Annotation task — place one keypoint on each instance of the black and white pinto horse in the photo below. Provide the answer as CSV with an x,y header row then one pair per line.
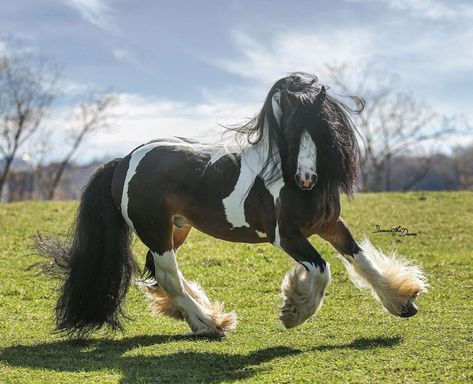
x,y
282,187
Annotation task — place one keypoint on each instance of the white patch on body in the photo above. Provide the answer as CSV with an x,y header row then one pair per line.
x,y
275,190
225,150
307,157
251,165
252,161
135,160
215,153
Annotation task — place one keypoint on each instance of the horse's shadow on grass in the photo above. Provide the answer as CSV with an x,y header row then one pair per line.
x,y
181,367
363,344
177,367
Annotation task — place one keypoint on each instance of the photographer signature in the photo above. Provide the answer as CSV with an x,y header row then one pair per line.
x,y
395,231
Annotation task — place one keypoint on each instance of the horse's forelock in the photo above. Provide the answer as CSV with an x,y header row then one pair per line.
x,y
340,149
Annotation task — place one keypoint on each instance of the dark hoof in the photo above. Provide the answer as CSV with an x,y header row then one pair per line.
x,y
408,310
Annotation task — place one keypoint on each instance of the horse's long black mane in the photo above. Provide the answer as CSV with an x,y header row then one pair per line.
x,y
330,125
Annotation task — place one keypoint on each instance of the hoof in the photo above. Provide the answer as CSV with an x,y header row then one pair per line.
x,y
408,310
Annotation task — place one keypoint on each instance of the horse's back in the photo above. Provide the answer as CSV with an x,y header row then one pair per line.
x,y
174,175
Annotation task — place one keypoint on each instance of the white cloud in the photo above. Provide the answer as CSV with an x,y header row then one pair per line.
x,y
96,12
433,9
122,54
19,45
297,51
141,119
430,9
70,88
443,51
425,64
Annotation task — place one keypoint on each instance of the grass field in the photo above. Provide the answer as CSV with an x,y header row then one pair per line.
x,y
350,340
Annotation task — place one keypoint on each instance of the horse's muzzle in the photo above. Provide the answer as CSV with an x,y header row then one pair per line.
x,y
306,179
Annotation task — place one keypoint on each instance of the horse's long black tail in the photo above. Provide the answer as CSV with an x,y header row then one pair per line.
x,y
97,262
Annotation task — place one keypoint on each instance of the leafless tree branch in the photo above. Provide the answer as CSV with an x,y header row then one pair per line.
x,y
92,115
393,122
26,94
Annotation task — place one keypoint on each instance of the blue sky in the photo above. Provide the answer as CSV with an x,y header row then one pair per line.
x,y
181,67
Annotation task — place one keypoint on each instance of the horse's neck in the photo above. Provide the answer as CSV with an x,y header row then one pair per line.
x,y
256,156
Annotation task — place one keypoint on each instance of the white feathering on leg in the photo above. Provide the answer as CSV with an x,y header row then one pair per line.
x,y
393,281
303,291
222,321
162,304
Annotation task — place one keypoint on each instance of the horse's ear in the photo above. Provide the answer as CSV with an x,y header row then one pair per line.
x,y
321,96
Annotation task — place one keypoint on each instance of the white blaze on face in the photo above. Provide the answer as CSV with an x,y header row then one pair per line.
x,y
306,162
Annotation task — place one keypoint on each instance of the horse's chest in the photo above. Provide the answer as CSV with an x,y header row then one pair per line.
x,y
309,211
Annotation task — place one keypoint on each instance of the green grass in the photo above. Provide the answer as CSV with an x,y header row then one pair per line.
x,y
350,340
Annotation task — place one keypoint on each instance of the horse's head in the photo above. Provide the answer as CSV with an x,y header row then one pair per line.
x,y
313,132
297,115
306,133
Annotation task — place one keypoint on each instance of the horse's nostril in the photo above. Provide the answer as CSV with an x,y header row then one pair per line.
x,y
306,180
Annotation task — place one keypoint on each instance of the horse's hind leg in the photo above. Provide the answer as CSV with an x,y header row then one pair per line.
x,y
179,235
161,302
175,297
393,281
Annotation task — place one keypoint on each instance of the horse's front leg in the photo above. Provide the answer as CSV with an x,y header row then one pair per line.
x,y
393,281
304,286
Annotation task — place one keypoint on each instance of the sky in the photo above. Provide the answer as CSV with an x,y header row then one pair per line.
x,y
183,67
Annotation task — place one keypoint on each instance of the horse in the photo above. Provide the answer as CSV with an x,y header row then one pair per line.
x,y
282,187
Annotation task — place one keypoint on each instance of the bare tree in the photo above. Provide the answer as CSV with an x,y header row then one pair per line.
x,y
89,117
28,86
424,164
392,123
462,162
26,94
